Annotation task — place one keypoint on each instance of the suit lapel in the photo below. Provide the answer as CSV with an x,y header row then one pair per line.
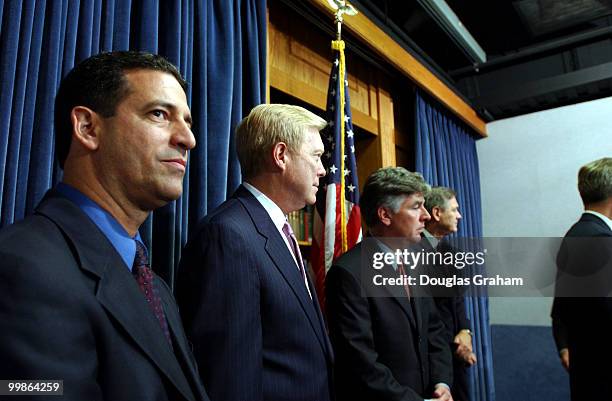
x,y
397,292
117,290
418,312
399,295
181,344
283,261
279,253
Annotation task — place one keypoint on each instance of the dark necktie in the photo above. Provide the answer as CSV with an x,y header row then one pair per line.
x,y
296,252
144,276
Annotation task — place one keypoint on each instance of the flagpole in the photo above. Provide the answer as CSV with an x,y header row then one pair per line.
x,y
342,7
338,45
337,218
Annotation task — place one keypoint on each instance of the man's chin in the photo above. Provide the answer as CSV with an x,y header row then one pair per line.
x,y
169,194
414,239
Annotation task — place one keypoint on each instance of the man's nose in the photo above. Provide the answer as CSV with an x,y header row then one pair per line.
x,y
183,136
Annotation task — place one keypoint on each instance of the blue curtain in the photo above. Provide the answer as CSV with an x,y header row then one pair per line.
x,y
218,45
446,155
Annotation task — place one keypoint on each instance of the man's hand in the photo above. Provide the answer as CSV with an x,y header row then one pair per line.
x,y
564,355
463,339
442,393
466,356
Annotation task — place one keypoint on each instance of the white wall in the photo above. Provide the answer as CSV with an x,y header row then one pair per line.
x,y
528,172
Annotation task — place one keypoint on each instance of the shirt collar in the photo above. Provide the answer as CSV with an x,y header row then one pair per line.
x,y
385,248
275,212
601,216
110,227
432,240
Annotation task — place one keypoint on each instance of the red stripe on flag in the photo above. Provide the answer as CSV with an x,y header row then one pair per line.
x,y
353,226
338,240
317,260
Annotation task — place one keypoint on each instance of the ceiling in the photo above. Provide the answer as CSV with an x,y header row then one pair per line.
x,y
540,53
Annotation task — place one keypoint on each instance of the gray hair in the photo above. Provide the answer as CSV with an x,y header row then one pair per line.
x,y
439,197
265,126
595,181
389,187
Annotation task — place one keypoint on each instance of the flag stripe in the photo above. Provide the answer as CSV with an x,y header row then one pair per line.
x,y
337,215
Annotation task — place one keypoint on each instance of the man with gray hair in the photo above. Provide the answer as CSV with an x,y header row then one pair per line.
x,y
247,303
442,205
582,326
389,344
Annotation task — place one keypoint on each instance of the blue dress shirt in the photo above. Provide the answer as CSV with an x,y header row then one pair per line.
x,y
110,227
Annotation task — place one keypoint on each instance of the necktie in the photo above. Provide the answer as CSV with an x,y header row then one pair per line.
x,y
402,272
296,252
144,276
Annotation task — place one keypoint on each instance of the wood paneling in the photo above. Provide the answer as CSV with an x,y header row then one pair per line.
x,y
391,51
300,62
300,59
368,155
386,128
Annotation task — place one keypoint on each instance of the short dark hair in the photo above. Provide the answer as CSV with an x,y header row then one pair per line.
x,y
99,83
389,187
595,181
439,197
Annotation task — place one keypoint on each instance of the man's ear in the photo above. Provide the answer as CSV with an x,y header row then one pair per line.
x,y
280,155
435,213
85,127
384,216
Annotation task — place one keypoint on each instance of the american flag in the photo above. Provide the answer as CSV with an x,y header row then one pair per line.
x,y
337,219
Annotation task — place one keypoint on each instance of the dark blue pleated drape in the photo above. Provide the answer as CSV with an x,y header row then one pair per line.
x,y
218,45
446,155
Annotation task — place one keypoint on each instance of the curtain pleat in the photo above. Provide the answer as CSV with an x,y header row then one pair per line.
x,y
208,40
446,156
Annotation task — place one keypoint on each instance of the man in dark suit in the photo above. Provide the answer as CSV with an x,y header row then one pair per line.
x,y
582,309
389,344
78,301
247,303
442,205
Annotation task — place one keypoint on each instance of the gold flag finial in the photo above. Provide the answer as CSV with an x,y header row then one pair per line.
x,y
341,7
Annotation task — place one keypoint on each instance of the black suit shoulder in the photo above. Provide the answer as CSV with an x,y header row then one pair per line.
x,y
589,225
35,254
350,260
229,215
30,237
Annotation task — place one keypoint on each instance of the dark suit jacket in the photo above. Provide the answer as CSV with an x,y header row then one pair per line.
x,y
585,324
257,335
385,349
71,310
451,309
453,313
